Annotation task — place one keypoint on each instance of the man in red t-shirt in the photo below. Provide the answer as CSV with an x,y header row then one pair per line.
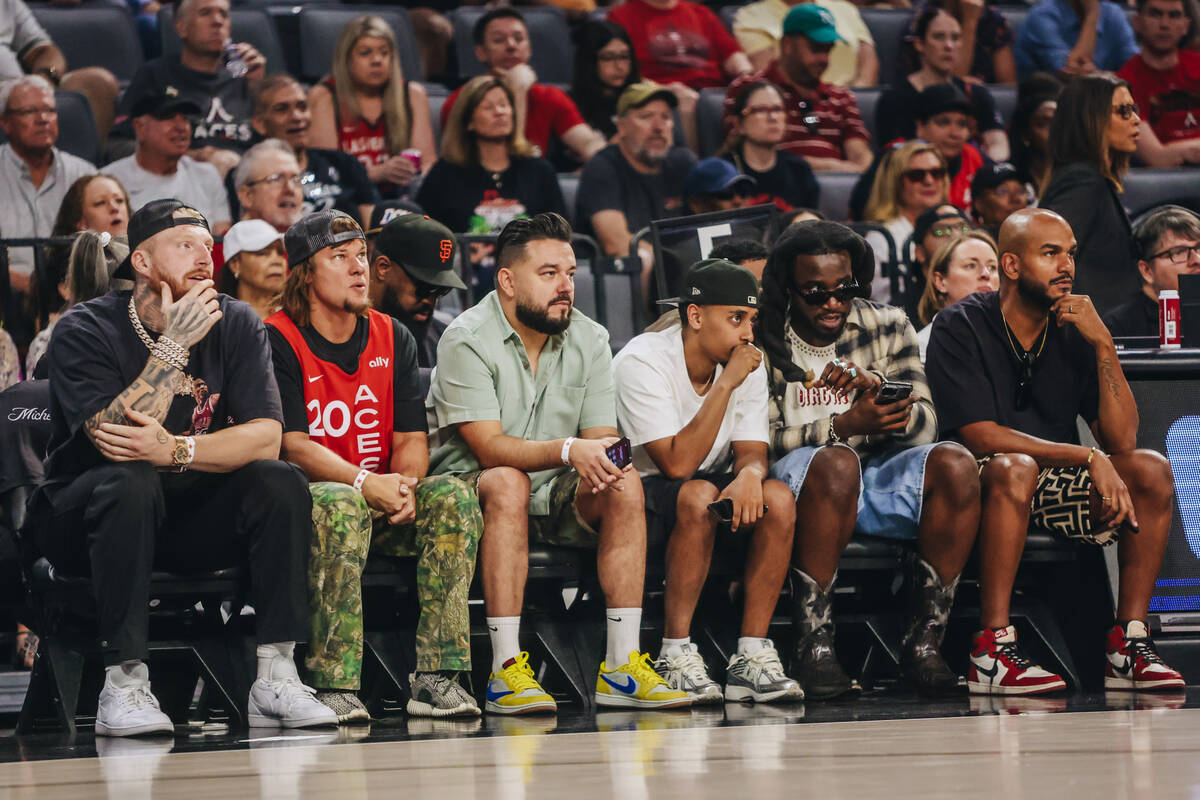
x,y
502,43
677,40
823,122
354,421
1165,83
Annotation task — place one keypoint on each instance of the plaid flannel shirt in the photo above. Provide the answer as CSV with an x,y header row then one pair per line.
x,y
878,338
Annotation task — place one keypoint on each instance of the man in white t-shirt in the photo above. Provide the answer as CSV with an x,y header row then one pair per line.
x,y
693,402
159,168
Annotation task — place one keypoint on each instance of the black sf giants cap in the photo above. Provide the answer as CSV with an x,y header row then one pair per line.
x,y
424,247
153,218
718,282
314,233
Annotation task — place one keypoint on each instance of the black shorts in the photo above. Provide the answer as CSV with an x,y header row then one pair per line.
x,y
662,496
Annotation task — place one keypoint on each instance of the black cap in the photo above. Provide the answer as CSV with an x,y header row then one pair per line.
x,y
166,100
383,213
717,282
942,97
932,216
314,233
989,176
153,218
424,247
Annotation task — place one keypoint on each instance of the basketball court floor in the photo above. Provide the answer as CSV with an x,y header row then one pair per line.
x,y
886,744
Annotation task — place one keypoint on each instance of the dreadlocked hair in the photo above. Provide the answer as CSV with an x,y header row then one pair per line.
x,y
810,238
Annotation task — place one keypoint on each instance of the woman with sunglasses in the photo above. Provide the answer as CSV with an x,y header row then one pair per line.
x,y
966,264
911,179
1092,139
759,124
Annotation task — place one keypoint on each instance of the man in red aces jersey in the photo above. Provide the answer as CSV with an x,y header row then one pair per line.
x,y
354,421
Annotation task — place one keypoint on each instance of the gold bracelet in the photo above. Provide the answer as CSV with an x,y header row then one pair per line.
x,y
1091,455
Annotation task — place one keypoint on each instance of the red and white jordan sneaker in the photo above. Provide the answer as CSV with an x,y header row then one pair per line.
x,y
998,667
1134,664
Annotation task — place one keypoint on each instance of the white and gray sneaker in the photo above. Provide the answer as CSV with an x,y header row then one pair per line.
x,y
349,709
438,695
131,710
286,703
759,677
686,672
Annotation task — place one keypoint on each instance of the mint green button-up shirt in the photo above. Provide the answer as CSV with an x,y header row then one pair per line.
x,y
483,374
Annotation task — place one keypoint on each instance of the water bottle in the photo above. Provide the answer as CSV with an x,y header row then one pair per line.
x,y
233,60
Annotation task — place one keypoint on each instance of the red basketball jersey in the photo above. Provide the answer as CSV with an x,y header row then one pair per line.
x,y
351,414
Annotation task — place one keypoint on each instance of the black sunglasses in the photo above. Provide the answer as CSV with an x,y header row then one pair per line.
x,y
428,291
1024,392
819,297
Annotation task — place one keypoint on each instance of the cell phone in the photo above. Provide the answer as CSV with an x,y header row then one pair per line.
x,y
892,391
620,454
723,509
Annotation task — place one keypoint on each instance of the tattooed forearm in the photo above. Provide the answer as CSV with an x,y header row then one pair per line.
x,y
150,393
1110,378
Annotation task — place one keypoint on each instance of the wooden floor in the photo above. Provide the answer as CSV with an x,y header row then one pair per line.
x,y
1148,748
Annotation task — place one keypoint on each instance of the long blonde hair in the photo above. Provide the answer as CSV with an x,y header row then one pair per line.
x,y
883,205
395,101
458,143
932,301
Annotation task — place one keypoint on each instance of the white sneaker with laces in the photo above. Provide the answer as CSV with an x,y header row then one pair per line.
x,y
131,710
286,703
687,672
759,677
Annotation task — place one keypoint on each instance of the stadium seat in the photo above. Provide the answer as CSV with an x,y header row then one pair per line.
x,y
835,194
553,49
1146,188
710,128
887,28
568,183
867,100
77,133
320,28
251,25
1006,100
727,13
437,98
93,36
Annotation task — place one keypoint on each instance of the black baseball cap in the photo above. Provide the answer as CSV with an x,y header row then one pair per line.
x,y
423,247
989,176
942,97
717,282
314,233
153,218
163,101
383,213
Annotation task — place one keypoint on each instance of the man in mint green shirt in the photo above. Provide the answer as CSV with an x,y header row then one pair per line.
x,y
524,404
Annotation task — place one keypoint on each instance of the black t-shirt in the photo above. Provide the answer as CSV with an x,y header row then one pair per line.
x,y
895,115
331,179
408,401
1138,317
789,184
225,100
474,200
609,183
973,374
95,354
25,407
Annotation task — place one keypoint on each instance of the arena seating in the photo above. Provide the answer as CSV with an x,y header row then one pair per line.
x,y
94,36
251,25
710,129
553,50
1146,188
887,28
835,193
320,27
867,100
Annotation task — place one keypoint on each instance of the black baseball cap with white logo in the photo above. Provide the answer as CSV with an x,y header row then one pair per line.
x,y
314,233
153,218
718,282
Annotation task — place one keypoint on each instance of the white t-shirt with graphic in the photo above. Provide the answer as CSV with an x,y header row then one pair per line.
x,y
800,405
656,400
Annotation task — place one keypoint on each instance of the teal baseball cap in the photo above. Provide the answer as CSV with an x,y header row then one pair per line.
x,y
812,21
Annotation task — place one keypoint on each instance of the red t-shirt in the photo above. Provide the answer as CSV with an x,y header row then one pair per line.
x,y
1169,99
686,43
548,111
960,183
351,414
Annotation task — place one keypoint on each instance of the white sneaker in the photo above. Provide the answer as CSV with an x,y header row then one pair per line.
x,y
687,672
131,710
286,703
759,677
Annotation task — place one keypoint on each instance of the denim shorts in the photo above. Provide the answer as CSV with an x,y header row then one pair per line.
x,y
892,485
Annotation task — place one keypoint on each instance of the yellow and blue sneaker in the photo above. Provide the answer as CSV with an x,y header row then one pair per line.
x,y
637,685
514,690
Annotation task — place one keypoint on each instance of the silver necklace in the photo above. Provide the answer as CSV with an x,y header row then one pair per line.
x,y
184,383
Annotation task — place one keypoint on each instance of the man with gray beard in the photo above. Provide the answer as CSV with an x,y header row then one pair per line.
x,y
639,178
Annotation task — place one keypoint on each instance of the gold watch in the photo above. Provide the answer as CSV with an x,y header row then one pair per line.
x,y
181,456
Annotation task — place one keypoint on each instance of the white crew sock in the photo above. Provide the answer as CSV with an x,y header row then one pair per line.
x,y
275,661
624,634
749,645
673,647
504,633
127,674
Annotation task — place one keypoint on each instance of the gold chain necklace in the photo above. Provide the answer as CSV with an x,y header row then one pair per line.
x,y
1013,344
184,383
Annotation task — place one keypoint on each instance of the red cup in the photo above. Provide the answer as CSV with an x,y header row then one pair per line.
x,y
1169,333
414,156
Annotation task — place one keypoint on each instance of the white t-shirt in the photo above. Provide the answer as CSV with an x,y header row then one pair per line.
x,y
800,405
195,183
656,400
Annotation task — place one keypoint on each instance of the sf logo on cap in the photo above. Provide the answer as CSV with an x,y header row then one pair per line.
x,y
445,250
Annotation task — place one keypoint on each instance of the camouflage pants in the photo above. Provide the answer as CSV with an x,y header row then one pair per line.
x,y
444,538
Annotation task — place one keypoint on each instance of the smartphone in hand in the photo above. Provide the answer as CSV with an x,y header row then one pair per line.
x,y
620,454
892,391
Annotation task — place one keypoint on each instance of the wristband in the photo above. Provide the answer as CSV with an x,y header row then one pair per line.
x,y
1091,455
191,446
360,479
566,450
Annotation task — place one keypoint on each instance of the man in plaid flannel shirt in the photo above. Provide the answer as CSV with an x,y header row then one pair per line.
x,y
854,463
